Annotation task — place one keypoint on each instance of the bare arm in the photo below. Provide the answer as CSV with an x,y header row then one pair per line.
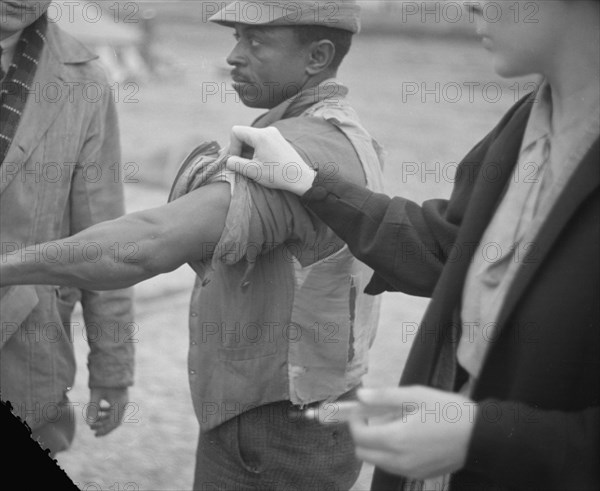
x,y
122,252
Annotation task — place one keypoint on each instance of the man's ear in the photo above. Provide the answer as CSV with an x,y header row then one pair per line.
x,y
321,54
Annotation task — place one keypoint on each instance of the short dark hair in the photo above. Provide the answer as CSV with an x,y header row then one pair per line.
x,y
341,39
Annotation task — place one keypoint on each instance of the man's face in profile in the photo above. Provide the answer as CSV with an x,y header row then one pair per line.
x,y
269,65
15,16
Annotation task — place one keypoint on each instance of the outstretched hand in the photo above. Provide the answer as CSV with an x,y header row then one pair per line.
x,y
275,163
426,435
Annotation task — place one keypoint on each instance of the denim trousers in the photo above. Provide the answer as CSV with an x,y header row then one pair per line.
x,y
275,447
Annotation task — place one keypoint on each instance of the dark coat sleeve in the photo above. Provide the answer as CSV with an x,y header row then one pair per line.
x,y
405,244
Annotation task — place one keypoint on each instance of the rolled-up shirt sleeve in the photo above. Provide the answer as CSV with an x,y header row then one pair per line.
x,y
260,219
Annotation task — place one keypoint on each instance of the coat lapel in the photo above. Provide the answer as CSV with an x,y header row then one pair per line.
x,y
492,179
584,182
494,173
40,112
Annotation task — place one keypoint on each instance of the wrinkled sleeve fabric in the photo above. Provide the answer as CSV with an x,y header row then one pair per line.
x,y
108,315
261,219
258,221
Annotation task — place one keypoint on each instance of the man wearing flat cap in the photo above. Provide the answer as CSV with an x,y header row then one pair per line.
x,y
279,322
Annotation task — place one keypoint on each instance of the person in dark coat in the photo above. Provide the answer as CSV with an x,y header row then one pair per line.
x,y
501,387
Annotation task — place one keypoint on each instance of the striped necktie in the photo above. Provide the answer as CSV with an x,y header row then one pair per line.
x,y
18,81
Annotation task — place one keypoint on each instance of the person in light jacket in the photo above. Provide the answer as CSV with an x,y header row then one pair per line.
x,y
59,154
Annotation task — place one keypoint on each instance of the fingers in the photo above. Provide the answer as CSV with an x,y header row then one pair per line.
x,y
419,440
391,396
105,411
275,164
376,436
404,397
395,402
253,137
239,136
104,418
382,459
382,445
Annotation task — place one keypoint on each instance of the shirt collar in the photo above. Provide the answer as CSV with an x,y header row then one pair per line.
x,y
296,105
569,145
586,119
539,124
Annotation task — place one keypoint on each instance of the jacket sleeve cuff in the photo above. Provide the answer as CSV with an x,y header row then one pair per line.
x,y
337,202
323,186
112,369
118,377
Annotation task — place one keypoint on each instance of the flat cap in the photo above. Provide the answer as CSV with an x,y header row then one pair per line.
x,y
338,14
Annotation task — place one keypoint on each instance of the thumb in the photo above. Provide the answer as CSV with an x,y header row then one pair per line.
x,y
95,396
239,136
92,411
399,397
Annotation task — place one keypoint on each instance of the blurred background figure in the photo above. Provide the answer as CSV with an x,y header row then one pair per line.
x,y
121,34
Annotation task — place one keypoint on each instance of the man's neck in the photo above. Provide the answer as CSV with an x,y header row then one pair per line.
x,y
296,105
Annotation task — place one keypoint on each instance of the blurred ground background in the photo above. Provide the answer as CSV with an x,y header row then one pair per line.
x,y
423,87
